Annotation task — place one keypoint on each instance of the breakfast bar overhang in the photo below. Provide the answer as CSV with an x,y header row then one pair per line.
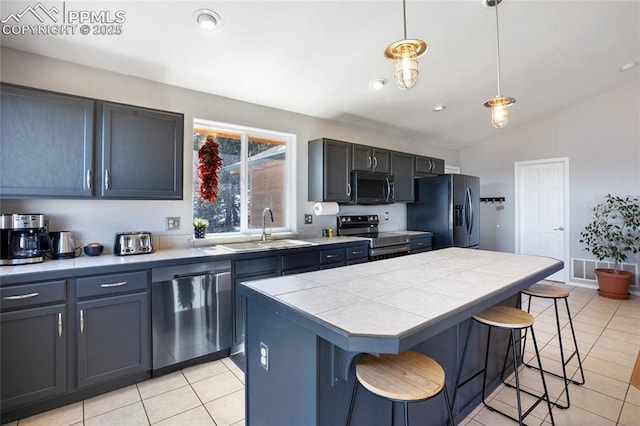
x,y
304,332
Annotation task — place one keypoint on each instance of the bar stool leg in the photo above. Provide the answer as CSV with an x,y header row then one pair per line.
x,y
464,355
544,383
353,400
564,361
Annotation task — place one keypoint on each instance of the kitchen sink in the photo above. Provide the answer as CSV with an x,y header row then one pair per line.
x,y
264,245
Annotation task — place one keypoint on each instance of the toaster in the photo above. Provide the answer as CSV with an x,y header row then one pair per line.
x,y
127,243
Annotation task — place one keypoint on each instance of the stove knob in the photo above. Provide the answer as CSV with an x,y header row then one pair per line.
x,y
348,219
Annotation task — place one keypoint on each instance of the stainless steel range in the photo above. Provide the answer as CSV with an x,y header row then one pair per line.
x,y
382,245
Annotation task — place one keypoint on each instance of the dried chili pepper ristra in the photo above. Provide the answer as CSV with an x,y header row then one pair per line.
x,y
210,164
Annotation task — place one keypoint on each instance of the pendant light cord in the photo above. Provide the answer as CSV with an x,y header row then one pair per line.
x,y
404,18
498,45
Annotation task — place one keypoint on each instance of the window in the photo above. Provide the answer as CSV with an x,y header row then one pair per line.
x,y
257,172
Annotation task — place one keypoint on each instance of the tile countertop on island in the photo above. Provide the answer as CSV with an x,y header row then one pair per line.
x,y
355,306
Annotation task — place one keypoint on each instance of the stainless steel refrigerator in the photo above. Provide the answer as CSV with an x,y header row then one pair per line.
x,y
448,206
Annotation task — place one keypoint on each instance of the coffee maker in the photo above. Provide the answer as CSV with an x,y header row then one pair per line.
x,y
23,239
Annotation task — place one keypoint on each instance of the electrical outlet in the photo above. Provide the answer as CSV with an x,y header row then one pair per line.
x,y
173,223
308,219
264,356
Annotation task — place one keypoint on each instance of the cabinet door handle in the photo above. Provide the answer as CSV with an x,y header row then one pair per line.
x,y
106,179
59,324
368,161
375,162
349,189
420,244
330,256
88,178
21,296
121,283
357,252
81,321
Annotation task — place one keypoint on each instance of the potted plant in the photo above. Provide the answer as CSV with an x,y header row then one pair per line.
x,y
200,227
613,234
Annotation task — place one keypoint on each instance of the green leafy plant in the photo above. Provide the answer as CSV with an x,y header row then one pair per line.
x,y
200,223
615,230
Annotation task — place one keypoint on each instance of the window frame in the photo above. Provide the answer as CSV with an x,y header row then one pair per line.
x,y
290,181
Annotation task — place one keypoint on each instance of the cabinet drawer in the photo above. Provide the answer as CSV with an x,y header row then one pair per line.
x,y
357,252
111,284
422,243
256,266
23,296
332,256
299,261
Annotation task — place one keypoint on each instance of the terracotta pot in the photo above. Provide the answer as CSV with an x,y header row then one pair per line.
x,y
613,286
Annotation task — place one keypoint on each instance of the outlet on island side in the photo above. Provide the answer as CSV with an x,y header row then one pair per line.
x,y
308,219
264,356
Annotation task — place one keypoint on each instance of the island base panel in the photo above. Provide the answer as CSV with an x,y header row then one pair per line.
x,y
304,384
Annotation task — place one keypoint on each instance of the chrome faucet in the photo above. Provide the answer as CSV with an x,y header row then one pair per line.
x,y
263,236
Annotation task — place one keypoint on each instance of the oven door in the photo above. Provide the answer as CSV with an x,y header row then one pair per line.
x,y
371,188
389,251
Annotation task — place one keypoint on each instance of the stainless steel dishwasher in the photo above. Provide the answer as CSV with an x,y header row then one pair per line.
x,y
191,313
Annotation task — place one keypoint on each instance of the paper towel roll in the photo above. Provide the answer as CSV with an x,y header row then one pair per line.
x,y
326,209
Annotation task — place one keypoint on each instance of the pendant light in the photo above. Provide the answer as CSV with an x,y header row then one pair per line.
x,y
404,54
500,104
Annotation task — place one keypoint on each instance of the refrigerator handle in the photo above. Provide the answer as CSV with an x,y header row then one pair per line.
x,y
470,212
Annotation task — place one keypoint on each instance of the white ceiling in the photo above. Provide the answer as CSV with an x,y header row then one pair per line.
x,y
318,57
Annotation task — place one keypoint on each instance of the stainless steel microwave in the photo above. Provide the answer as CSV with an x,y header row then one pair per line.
x,y
371,188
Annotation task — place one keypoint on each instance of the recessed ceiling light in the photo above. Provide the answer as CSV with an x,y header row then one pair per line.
x,y
628,66
378,83
439,108
207,19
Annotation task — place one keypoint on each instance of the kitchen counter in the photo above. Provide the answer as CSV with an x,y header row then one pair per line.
x,y
316,324
162,257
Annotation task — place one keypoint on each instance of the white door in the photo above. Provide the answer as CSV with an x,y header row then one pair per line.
x,y
542,210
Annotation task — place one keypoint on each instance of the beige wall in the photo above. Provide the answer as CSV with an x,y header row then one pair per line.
x,y
601,138
97,220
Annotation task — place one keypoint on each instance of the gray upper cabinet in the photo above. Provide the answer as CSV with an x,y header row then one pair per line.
x,y
402,169
61,146
427,166
329,170
369,159
142,153
46,141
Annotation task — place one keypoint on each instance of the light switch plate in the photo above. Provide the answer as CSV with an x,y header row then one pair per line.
x,y
173,223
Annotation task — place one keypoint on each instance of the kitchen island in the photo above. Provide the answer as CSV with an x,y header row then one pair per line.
x,y
304,333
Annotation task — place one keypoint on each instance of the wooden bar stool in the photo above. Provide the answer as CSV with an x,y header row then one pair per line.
x,y
512,319
551,292
407,377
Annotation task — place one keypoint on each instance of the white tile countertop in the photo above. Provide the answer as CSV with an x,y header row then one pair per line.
x,y
393,296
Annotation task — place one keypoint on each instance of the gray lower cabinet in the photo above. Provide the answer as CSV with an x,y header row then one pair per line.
x,y
255,267
420,243
113,338
46,140
34,339
113,327
142,152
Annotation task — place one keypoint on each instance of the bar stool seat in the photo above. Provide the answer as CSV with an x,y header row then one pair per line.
x,y
513,319
407,377
547,291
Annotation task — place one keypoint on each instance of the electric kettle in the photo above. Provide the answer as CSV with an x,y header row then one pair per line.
x,y
63,246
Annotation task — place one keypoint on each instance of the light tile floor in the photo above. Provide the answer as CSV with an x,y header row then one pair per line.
x,y
608,334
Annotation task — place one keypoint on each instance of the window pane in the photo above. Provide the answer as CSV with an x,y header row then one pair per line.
x,y
224,214
266,181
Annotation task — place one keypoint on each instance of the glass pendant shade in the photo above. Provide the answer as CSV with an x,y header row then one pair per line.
x,y
404,54
499,110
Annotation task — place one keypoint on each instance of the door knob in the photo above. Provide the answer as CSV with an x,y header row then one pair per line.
x,y
558,229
